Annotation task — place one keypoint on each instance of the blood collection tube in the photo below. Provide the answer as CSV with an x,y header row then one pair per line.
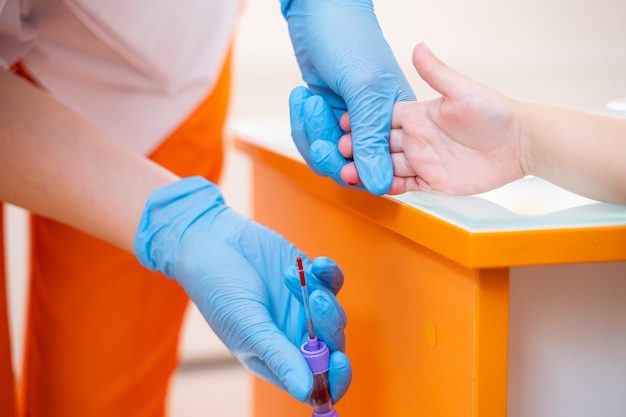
x,y
317,356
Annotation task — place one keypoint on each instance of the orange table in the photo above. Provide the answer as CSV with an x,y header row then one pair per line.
x,y
427,296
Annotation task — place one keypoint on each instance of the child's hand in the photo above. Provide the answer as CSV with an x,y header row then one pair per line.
x,y
465,142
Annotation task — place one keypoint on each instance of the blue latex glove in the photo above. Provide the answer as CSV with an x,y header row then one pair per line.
x,y
240,275
344,58
311,117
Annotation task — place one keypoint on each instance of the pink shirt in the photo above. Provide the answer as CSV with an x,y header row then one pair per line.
x,y
134,68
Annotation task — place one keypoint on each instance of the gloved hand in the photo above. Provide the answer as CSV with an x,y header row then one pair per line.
x,y
344,58
239,274
311,117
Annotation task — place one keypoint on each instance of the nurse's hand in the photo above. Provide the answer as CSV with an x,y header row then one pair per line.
x,y
311,117
345,59
240,276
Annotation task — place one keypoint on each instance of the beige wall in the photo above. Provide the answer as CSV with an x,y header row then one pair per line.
x,y
569,52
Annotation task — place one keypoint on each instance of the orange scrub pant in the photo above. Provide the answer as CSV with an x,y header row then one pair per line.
x,y
102,332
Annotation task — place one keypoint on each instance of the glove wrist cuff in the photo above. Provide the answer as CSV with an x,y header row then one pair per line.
x,y
167,214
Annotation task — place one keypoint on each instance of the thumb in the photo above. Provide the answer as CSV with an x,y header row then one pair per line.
x,y
438,75
275,359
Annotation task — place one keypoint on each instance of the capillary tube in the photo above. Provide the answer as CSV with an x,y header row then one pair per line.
x,y
317,356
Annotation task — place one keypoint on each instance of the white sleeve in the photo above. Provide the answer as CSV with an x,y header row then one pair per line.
x,y
16,36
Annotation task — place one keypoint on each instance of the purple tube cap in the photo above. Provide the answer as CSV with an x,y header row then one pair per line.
x,y
331,413
316,354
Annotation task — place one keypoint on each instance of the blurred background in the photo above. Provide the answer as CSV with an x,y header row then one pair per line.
x,y
568,52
